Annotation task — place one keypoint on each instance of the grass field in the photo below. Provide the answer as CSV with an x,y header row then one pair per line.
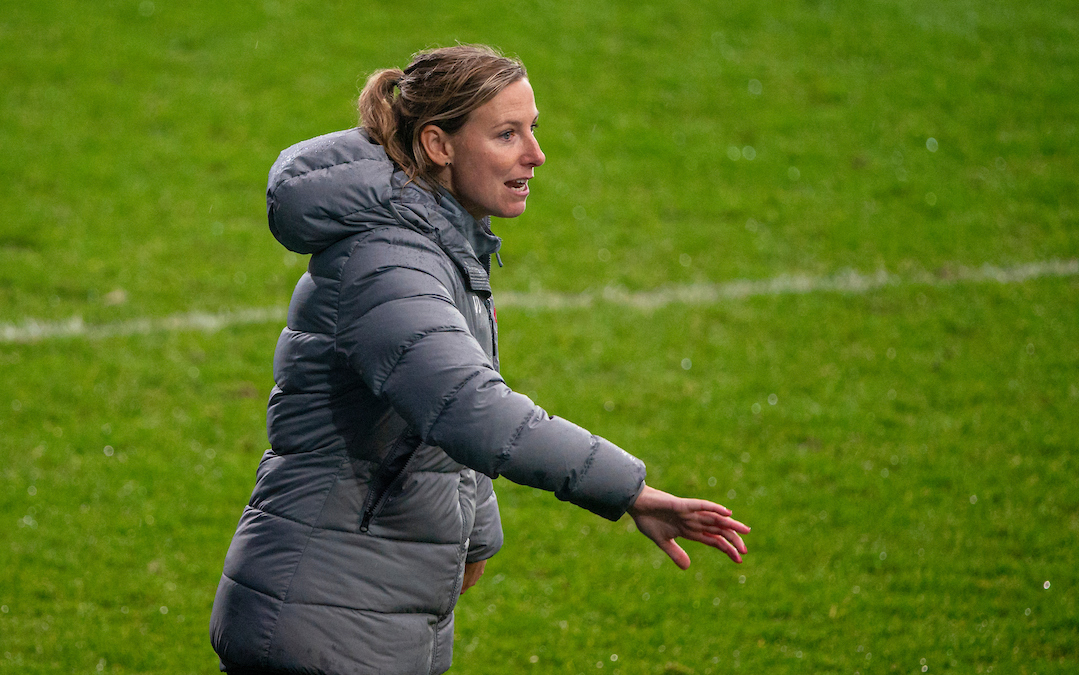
x,y
905,451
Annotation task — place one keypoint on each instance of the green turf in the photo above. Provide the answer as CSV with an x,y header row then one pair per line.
x,y
911,489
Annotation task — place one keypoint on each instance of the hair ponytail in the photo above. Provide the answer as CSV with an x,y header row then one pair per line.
x,y
377,114
440,87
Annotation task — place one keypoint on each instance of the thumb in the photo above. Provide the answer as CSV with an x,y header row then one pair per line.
x,y
676,553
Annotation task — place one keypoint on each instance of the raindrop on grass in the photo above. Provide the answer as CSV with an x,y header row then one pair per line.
x,y
31,490
755,87
742,579
772,399
603,254
793,173
752,225
16,405
756,408
711,481
108,451
930,199
749,152
1046,585
1027,613
715,602
931,145
974,499
685,260
609,406
925,669
686,364
734,154
579,212
614,657
745,458
731,494
533,659
163,609
146,8
883,555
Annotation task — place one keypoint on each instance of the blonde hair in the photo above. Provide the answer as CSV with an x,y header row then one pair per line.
x,y
440,87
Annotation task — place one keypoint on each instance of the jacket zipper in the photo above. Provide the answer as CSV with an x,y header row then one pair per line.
x,y
377,497
490,303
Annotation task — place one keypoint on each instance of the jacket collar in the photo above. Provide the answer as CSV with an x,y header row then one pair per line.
x,y
467,241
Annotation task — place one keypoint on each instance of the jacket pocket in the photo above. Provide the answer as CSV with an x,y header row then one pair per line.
x,y
392,470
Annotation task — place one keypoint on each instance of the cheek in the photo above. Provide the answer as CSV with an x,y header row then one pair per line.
x,y
482,175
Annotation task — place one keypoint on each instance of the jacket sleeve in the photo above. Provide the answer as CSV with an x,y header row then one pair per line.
x,y
399,329
486,537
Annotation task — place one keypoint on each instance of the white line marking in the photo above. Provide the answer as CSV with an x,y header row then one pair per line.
x,y
36,331
849,281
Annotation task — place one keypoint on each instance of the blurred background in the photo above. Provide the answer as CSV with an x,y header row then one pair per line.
x,y
814,260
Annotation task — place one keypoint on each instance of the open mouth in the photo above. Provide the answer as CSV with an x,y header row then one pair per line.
x,y
520,185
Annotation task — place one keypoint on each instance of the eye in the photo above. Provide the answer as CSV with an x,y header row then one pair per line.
x,y
506,135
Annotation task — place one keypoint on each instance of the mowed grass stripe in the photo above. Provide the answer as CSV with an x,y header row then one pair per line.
x,y
850,281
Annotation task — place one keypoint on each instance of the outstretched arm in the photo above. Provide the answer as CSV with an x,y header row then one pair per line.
x,y
662,517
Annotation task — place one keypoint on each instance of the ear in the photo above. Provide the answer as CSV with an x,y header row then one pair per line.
x,y
437,144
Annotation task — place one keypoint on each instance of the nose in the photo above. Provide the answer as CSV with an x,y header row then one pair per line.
x,y
533,155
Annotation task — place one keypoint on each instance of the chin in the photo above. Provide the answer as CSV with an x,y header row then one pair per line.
x,y
510,211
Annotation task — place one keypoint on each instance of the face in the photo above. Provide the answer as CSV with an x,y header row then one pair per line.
x,y
494,153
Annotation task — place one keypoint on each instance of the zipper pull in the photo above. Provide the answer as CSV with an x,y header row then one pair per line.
x,y
498,258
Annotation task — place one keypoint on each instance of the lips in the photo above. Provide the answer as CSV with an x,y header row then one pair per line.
x,y
519,185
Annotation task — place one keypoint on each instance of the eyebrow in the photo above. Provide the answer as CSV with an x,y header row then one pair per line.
x,y
514,122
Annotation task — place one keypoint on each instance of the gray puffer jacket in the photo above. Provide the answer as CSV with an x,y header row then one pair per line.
x,y
387,423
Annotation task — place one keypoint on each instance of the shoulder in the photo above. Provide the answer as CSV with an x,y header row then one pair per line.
x,y
389,250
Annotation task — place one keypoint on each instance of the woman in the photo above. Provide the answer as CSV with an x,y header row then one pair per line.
x,y
374,508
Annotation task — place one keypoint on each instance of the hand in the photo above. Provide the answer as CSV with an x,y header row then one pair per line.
x,y
473,572
661,517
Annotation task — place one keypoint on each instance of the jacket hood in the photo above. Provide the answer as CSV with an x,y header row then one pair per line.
x,y
327,188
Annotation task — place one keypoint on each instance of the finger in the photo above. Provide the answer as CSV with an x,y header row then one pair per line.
x,y
675,553
721,543
706,506
726,522
732,536
727,547
727,533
